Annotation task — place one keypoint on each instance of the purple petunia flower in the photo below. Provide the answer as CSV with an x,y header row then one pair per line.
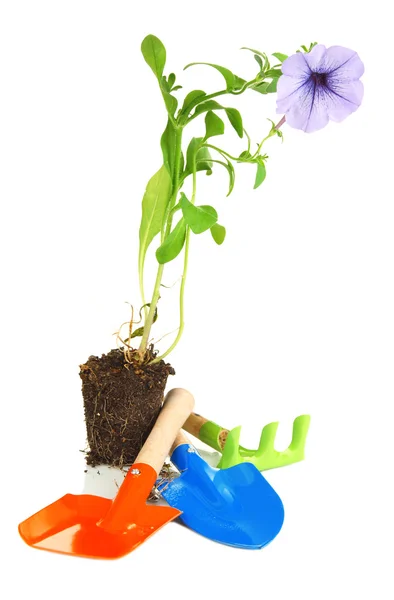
x,y
320,85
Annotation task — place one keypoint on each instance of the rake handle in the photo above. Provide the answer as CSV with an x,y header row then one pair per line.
x,y
207,431
194,423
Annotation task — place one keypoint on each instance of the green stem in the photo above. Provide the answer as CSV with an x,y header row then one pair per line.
x,y
181,302
248,138
262,142
142,292
225,153
183,283
243,89
149,319
156,290
183,117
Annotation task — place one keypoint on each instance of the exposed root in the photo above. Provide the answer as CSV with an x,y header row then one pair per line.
x,y
169,287
123,343
122,401
166,334
166,475
131,354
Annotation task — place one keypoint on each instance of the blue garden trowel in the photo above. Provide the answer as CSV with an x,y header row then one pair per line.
x,y
234,506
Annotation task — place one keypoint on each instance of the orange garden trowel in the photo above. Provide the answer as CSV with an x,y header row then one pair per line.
x,y
96,527
264,458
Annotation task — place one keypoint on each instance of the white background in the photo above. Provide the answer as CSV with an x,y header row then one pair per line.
x,y
293,314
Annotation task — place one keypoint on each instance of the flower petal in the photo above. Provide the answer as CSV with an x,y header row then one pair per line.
x,y
344,100
309,112
310,100
296,66
316,58
289,91
343,63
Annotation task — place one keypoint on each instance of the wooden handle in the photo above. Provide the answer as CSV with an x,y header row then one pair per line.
x,y
179,440
177,407
207,431
194,424
121,516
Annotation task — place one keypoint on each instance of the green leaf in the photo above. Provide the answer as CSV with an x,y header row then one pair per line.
x,y
234,116
228,75
176,87
164,85
199,154
272,88
259,61
199,218
191,97
191,152
262,87
173,244
213,125
273,73
263,54
231,172
154,53
137,333
281,57
218,233
154,316
260,174
203,160
154,204
171,80
239,82
266,64
170,101
307,50
245,155
168,143
205,106
182,164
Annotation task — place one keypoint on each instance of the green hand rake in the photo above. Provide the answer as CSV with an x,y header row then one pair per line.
x,y
265,457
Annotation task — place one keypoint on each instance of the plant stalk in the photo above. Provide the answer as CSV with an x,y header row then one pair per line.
x,y
156,290
183,283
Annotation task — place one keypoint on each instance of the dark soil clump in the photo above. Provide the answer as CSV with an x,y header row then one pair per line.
x,y
121,401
